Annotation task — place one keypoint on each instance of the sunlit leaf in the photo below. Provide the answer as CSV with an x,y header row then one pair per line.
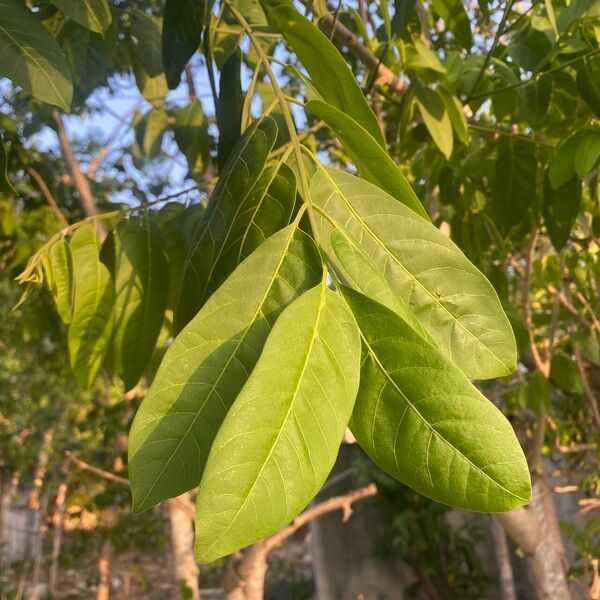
x,y
93,14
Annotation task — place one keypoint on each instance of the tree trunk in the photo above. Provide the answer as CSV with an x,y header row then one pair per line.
x,y
502,551
103,590
535,529
182,539
59,515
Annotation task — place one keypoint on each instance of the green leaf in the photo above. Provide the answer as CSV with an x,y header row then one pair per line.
x,y
281,437
565,374
457,117
93,14
6,186
59,269
419,56
93,306
436,118
422,421
191,135
141,275
453,301
146,37
562,165
456,19
208,363
150,130
534,99
538,393
153,89
231,199
371,160
230,106
588,84
560,209
30,56
182,30
403,11
514,181
328,70
587,153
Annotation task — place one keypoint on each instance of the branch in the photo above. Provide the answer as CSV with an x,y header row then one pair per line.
x,y
383,75
82,184
48,195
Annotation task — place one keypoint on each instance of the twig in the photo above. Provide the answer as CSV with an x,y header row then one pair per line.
x,y
587,388
48,195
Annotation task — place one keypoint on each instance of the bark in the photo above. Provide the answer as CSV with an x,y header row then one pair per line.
x,y
187,572
59,516
502,551
535,529
103,590
80,181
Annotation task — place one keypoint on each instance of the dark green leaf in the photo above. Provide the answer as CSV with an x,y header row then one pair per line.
x,y
182,31
141,275
587,153
560,208
146,35
422,421
456,20
231,200
534,99
5,184
191,135
281,437
513,185
208,363
588,84
565,374
230,106
562,165
436,118
403,11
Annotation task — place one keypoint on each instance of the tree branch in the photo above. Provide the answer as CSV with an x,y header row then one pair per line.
x,y
48,195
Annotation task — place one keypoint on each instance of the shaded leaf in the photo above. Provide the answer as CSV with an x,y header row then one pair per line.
x,y
588,84
562,165
456,19
513,184
150,130
564,373
93,14
230,106
588,151
560,208
281,437
183,23
534,99
230,200
146,32
422,421
403,11
191,135
436,118
207,365
5,184
457,117
141,275
30,56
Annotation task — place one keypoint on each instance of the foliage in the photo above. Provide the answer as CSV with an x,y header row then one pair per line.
x,y
296,297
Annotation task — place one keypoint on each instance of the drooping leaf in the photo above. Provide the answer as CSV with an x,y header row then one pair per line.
x,y
59,270
230,106
422,421
93,14
436,118
534,99
281,437
456,19
564,373
141,276
372,161
588,84
150,130
455,112
560,208
207,365
183,24
419,56
327,69
146,37
588,152
513,184
240,176
93,306
30,56
191,135
562,165
153,89
453,301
